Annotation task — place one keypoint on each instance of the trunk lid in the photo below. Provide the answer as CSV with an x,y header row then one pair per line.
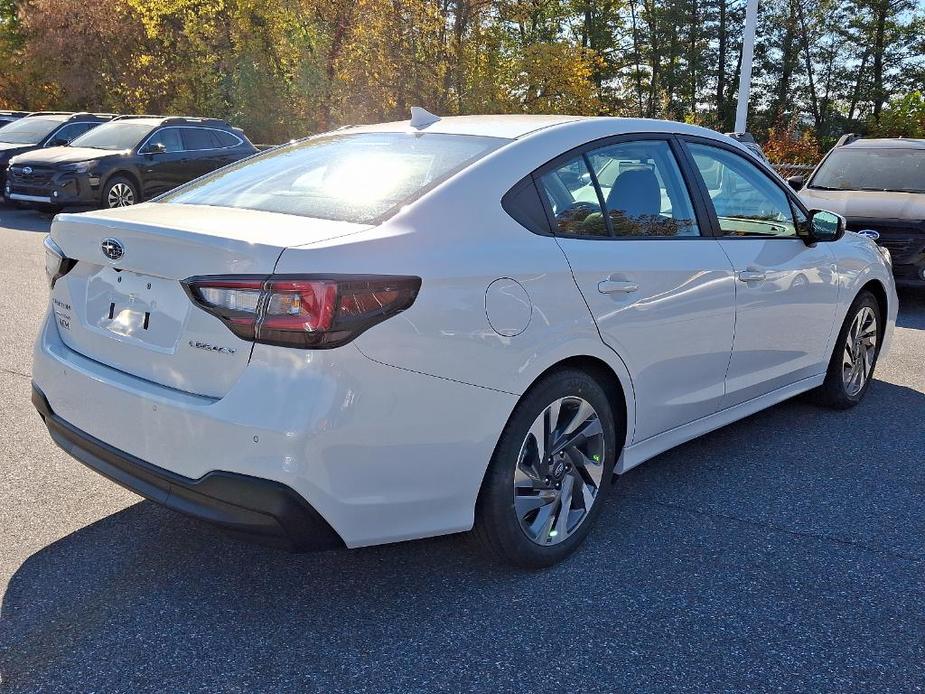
x,y
132,313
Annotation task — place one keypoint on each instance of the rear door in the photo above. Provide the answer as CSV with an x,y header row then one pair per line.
x,y
786,291
658,285
204,152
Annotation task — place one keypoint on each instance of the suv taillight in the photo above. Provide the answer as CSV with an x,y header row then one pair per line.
x,y
304,311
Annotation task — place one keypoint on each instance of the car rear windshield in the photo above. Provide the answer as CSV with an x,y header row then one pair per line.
x,y
355,178
115,136
889,169
28,131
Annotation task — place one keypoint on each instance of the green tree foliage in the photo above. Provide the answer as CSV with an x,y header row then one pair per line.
x,y
284,68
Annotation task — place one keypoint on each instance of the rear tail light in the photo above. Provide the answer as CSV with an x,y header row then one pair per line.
x,y
305,311
57,265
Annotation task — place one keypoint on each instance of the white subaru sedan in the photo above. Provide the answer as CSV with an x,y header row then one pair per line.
x,y
402,330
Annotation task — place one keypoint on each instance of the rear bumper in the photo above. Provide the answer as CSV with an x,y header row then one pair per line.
x,y
377,451
252,507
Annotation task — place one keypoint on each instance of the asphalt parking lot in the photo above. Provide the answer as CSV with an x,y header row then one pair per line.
x,y
782,553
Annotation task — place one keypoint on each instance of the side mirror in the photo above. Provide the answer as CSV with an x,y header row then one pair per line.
x,y
155,148
57,142
825,226
797,182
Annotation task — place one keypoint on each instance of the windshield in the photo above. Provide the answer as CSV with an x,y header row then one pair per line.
x,y
893,169
354,178
117,135
28,131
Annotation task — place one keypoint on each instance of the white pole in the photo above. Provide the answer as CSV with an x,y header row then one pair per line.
x,y
748,52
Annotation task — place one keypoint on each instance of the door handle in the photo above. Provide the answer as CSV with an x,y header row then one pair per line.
x,y
752,274
609,286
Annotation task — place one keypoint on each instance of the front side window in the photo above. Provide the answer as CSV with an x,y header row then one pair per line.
x,y
69,132
169,137
350,177
28,131
747,202
896,170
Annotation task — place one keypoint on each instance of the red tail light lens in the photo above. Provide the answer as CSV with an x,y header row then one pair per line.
x,y
306,311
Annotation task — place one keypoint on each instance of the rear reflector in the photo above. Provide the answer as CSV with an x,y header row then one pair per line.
x,y
304,311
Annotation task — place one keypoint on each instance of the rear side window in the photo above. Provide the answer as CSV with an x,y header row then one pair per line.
x,y
574,200
355,178
198,138
225,139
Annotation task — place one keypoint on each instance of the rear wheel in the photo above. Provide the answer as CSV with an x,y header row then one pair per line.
x,y
549,473
119,192
851,367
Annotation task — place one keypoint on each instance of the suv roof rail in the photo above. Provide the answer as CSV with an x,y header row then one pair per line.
x,y
847,139
49,113
196,119
173,120
7,112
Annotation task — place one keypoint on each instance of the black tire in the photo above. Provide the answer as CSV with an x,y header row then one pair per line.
x,y
124,188
497,526
834,392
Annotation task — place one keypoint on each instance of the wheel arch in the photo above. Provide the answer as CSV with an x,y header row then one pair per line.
x,y
124,173
604,374
875,287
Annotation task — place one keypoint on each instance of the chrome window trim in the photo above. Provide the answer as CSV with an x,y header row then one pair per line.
x,y
191,127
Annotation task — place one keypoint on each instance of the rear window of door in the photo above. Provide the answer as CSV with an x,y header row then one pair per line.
x,y
747,202
199,139
625,190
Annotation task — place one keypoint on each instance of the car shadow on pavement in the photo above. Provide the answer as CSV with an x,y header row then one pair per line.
x,y
29,219
785,548
911,308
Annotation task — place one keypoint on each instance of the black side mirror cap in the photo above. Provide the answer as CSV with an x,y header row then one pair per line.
x,y
796,182
824,227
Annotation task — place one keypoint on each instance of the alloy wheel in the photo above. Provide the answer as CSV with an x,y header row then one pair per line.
x,y
860,351
559,470
120,195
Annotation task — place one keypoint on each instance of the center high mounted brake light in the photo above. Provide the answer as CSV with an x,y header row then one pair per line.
x,y
303,311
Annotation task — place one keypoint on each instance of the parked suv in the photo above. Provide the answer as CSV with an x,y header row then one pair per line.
x,y
877,185
43,129
7,117
131,159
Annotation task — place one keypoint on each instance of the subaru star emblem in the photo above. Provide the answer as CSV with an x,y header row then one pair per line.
x,y
112,249
27,170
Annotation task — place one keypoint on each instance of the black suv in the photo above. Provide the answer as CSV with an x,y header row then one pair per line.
x,y
879,185
131,159
7,117
43,129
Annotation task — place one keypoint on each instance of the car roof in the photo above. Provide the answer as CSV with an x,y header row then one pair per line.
x,y
886,143
504,126
518,126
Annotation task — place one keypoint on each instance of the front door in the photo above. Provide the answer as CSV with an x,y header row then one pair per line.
x,y
661,291
785,290
163,170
